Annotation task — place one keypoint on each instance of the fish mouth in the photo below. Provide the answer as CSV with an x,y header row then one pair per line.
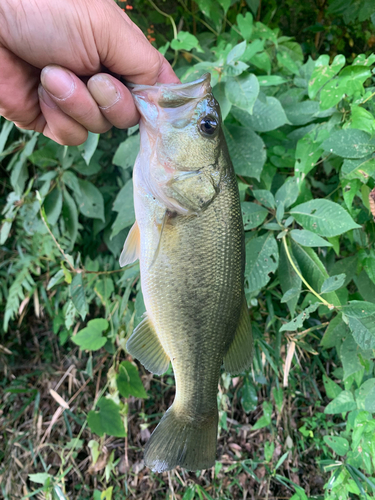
x,y
172,95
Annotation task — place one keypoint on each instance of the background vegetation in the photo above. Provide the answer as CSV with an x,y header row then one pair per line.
x,y
295,82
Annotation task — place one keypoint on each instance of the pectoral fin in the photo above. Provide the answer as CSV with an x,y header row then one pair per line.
x,y
145,345
130,252
240,353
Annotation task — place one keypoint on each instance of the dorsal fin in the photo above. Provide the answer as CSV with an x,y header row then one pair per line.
x,y
132,246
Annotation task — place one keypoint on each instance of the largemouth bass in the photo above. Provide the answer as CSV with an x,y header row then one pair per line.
x,y
189,239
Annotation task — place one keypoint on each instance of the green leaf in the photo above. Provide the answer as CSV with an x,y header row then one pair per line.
x,y
287,194
252,214
332,389
270,80
53,205
290,294
266,419
70,179
336,331
88,148
40,477
366,396
297,322
127,152
242,91
349,143
362,119
245,25
90,202
333,283
124,205
129,382
268,114
323,217
247,150
70,216
185,41
308,152
107,420
262,258
349,351
289,279
358,169
57,278
77,293
264,197
323,73
342,403
360,317
249,398
338,444
236,53
221,97
312,270
105,287
308,239
91,338
301,113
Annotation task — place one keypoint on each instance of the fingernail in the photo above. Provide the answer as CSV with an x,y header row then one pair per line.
x,y
43,95
57,81
103,91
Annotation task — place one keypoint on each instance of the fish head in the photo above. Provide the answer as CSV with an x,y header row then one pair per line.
x,y
180,141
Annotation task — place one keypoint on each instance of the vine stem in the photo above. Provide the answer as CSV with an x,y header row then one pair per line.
x,y
42,214
330,306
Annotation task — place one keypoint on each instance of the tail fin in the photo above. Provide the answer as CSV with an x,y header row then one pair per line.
x,y
180,440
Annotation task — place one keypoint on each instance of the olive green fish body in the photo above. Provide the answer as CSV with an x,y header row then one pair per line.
x,y
192,267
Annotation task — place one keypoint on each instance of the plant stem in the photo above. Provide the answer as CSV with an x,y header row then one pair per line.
x,y
330,306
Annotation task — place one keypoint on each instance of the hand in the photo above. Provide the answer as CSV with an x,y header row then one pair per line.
x,y
59,43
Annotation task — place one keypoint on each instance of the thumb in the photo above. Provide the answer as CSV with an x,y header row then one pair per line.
x,y
124,50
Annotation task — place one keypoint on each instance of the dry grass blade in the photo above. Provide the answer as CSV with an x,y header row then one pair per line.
x,y
288,362
59,399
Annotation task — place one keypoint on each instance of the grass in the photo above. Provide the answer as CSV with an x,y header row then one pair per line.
x,y
39,435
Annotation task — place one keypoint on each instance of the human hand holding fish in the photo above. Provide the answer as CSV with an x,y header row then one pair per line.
x,y
49,49
189,239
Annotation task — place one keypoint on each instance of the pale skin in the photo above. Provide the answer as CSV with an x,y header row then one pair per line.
x,y
52,58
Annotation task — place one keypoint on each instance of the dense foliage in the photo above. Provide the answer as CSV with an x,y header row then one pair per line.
x,y
301,134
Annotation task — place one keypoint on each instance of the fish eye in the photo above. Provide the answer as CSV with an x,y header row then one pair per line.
x,y
208,124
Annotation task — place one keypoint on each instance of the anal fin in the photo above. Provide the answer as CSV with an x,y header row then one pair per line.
x,y
240,352
130,252
145,346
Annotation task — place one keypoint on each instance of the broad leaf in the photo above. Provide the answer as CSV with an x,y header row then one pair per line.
x,y
91,338
308,239
247,150
323,217
242,91
289,279
186,41
262,258
349,143
129,382
333,283
297,322
323,72
77,293
360,317
124,205
342,403
268,114
90,202
338,444
264,197
252,214
53,205
107,420
127,152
